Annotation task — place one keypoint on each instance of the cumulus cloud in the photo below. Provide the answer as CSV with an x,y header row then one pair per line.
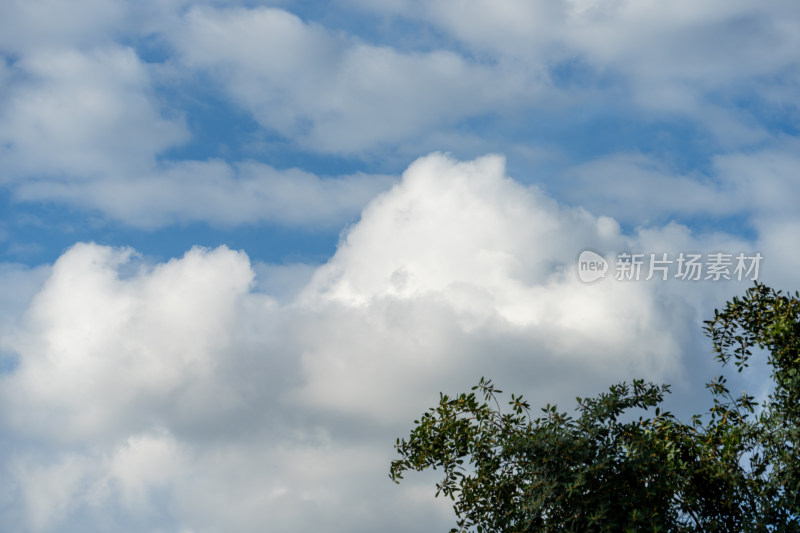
x,y
676,43
76,381
677,59
87,121
218,193
501,256
84,129
82,114
636,188
330,92
43,24
208,393
18,284
84,124
633,187
180,395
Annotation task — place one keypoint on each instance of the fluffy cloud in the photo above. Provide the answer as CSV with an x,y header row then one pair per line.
x,y
82,114
52,24
101,348
635,188
84,124
84,128
89,122
217,193
18,284
179,396
676,59
330,92
676,43
207,393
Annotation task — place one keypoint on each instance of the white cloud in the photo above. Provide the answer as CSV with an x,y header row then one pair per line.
x,y
52,24
82,115
489,230
104,354
636,188
18,285
330,92
179,395
49,491
674,59
464,250
84,129
84,126
82,119
676,42
777,235
218,193
145,463
765,181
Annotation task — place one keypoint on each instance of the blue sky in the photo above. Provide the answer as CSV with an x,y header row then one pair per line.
x,y
244,244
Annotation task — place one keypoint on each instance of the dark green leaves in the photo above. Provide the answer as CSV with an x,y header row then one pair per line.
x,y
737,471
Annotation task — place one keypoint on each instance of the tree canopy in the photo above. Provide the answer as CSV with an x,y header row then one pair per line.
x,y
735,468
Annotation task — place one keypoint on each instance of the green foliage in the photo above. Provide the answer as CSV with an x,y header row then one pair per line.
x,y
599,470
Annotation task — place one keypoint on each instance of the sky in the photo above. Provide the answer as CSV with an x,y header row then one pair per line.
x,y
244,244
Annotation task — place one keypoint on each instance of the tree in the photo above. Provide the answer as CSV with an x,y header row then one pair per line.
x,y
602,469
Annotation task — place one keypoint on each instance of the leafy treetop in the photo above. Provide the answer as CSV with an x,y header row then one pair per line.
x,y
732,470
